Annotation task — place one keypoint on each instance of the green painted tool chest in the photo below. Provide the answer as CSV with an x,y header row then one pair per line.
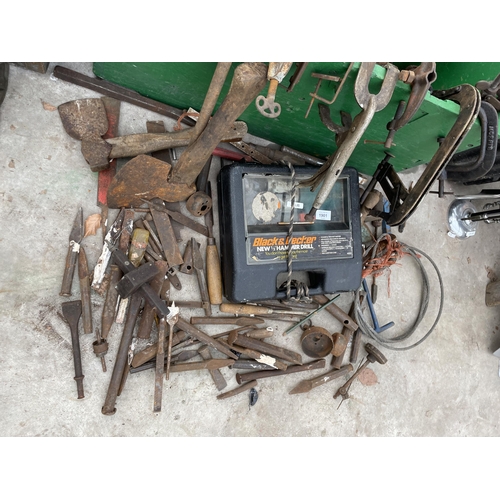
x,y
184,85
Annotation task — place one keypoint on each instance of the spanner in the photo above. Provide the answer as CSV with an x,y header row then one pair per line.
x,y
370,104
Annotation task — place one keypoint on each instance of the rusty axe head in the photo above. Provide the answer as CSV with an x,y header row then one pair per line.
x,y
86,120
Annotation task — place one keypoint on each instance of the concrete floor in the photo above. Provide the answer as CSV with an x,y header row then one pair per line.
x,y
447,386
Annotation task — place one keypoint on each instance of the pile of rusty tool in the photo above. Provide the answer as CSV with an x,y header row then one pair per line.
x,y
73,310
159,198
135,276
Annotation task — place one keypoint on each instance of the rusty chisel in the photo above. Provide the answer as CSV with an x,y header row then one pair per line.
x,y
200,274
111,239
83,275
159,367
179,217
309,385
149,294
75,239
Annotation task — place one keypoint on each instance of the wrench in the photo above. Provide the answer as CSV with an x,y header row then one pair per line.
x,y
370,104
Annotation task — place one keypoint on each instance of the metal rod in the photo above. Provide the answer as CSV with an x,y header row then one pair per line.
x,y
160,355
302,321
122,356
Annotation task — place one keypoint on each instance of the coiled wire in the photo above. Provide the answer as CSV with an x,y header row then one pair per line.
x,y
424,303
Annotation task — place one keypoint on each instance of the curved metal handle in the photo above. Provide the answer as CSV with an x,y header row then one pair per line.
x,y
475,163
361,92
267,107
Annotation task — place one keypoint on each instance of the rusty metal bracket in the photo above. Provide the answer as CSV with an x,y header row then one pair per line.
x,y
322,77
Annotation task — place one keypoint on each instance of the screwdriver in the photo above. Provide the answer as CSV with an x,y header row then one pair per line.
x,y
214,276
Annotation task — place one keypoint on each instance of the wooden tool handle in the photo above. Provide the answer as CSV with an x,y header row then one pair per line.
x,y
248,80
244,309
214,276
260,333
136,144
273,87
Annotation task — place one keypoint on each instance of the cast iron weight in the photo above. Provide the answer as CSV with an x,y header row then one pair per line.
x,y
72,311
374,355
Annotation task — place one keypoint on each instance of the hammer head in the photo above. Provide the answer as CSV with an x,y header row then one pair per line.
x,y
86,120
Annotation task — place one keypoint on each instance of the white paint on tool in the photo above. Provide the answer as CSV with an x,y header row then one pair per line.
x,y
75,246
102,264
267,360
122,309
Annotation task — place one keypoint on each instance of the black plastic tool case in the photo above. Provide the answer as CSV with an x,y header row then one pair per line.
x,y
254,214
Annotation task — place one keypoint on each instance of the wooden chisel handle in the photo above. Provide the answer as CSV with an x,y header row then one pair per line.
x,y
214,275
136,144
247,82
69,270
261,333
244,309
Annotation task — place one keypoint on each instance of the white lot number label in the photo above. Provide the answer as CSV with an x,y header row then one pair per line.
x,y
297,204
323,215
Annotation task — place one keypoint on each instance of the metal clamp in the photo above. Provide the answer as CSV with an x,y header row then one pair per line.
x,y
475,163
404,202
370,104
